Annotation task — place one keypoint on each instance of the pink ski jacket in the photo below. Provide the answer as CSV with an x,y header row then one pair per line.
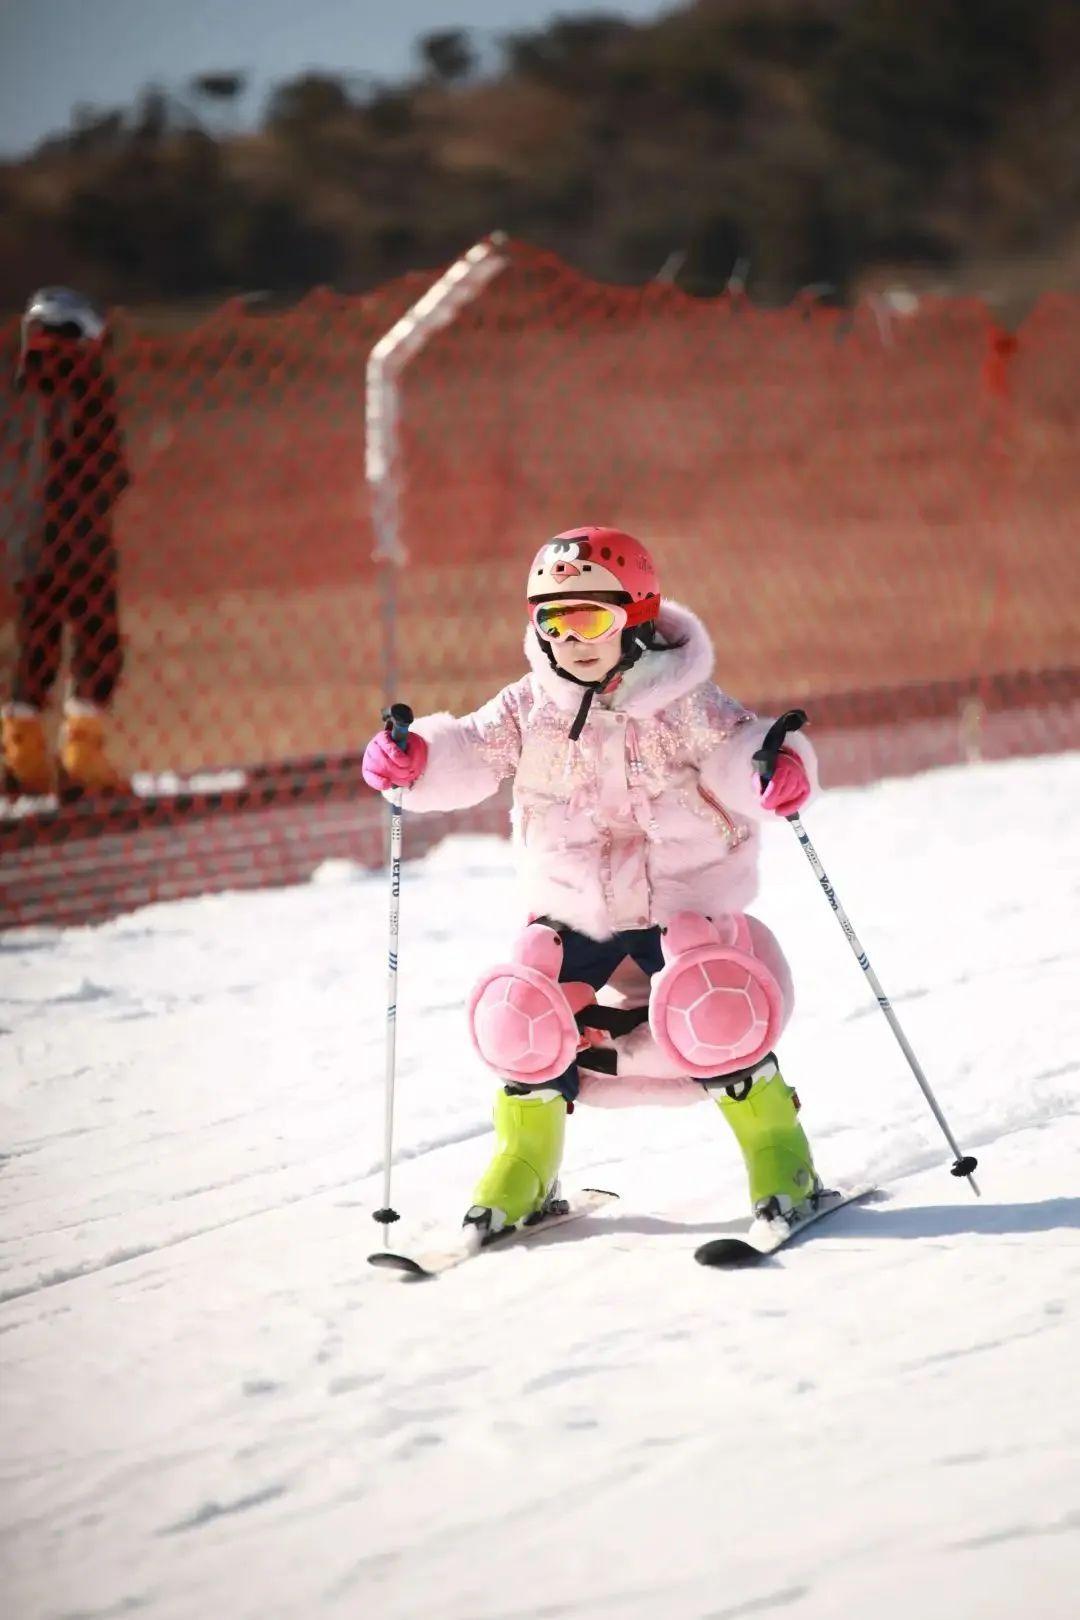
x,y
655,809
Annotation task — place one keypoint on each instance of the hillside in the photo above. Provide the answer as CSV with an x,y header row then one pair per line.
x,y
786,142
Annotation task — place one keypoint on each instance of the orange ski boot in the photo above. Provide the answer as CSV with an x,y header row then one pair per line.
x,y
84,765
27,766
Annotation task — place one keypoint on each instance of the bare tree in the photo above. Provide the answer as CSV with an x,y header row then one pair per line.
x,y
447,55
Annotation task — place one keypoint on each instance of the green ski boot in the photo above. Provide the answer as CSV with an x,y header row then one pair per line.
x,y
522,1178
763,1111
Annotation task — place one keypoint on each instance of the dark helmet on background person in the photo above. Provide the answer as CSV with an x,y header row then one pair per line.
x,y
65,313
56,316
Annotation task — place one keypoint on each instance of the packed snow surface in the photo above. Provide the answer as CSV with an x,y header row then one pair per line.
x,y
213,1407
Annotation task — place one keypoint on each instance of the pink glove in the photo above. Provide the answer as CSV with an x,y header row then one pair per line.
x,y
790,786
387,766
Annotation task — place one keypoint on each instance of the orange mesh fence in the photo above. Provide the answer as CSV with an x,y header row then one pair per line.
x,y
245,515
875,513
843,497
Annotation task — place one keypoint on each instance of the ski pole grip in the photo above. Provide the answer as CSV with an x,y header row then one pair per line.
x,y
397,719
769,752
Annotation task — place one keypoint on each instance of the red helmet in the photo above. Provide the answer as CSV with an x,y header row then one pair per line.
x,y
591,561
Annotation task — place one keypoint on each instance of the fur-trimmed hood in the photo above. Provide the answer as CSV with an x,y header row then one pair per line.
x,y
657,680
653,809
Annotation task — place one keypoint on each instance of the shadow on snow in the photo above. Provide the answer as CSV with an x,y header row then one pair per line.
x,y
868,1220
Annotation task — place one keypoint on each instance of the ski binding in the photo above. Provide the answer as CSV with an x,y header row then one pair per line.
x,y
473,1239
764,1235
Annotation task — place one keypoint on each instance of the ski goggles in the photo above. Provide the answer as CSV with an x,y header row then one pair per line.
x,y
588,621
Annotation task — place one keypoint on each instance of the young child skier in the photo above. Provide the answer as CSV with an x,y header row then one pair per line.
x,y
636,816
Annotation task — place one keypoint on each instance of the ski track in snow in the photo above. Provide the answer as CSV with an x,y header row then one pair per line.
x,y
212,1405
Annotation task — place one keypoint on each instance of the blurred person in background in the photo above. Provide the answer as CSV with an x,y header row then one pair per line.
x,y
62,460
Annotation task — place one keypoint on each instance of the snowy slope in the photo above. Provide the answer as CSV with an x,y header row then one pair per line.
x,y
211,1406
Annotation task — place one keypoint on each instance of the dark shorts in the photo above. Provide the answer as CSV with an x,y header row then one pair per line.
x,y
593,962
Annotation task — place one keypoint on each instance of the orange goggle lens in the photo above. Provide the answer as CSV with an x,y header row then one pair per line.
x,y
589,621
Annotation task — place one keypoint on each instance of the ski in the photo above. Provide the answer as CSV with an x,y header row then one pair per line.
x,y
469,1242
764,1237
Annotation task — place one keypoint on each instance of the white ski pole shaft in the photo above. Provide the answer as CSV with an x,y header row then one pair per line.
x,y
765,760
399,718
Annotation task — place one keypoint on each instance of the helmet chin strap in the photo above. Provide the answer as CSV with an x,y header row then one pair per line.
x,y
632,650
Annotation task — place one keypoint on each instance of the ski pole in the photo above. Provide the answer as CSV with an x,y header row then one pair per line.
x,y
765,760
398,718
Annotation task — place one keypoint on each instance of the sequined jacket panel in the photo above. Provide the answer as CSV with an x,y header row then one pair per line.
x,y
655,809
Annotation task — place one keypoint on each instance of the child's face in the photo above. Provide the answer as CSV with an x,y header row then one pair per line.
x,y
588,660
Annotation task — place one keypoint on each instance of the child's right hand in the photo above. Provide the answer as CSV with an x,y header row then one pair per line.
x,y
386,765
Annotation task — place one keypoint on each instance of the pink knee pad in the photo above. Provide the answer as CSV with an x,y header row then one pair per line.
x,y
715,1006
521,1018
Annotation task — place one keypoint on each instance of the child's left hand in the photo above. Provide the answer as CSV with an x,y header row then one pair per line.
x,y
790,786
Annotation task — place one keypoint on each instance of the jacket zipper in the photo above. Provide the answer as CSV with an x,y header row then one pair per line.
x,y
715,804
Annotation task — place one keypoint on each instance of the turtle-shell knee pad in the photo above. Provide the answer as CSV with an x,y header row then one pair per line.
x,y
715,1005
520,1017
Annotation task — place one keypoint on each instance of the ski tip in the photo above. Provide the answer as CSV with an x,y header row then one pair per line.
x,y
397,1262
729,1252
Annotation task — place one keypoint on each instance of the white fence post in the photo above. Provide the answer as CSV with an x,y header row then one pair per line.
x,y
437,308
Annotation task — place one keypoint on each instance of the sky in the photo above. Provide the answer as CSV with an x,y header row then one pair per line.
x,y
58,54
